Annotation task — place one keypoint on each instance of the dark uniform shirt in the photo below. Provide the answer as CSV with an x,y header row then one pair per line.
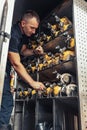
x,y
16,42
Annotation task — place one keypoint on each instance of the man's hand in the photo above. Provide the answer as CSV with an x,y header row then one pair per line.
x,y
38,85
39,50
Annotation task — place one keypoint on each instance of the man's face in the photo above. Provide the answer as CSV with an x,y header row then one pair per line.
x,y
29,27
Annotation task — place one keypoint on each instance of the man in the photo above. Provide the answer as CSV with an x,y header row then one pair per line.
x,y
19,38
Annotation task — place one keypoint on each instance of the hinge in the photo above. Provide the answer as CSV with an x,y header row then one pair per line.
x,y
5,34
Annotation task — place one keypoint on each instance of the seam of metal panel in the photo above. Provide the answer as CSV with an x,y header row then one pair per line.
x,y
80,26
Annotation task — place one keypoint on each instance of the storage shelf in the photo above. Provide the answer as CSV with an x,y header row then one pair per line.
x,y
57,41
72,100
49,73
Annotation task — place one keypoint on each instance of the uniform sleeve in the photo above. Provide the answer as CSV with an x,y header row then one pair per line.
x,y
13,44
25,40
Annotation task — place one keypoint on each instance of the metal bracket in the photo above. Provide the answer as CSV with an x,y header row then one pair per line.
x,y
5,34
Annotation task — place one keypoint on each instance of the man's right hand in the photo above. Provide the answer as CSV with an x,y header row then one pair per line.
x,y
38,85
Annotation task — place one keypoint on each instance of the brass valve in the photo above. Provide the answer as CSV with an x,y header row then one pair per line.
x,y
33,68
54,27
20,94
46,57
64,20
26,93
72,43
47,91
23,93
40,66
49,62
56,90
55,60
65,27
66,55
34,46
12,78
56,33
33,92
48,38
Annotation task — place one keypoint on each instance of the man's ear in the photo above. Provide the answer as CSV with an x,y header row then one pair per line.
x,y
22,23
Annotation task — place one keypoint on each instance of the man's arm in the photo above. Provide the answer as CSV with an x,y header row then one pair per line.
x,y
19,68
28,52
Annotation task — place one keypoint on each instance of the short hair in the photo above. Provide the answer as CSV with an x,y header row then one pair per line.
x,y
30,14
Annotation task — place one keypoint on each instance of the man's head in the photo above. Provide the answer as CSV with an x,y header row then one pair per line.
x,y
30,22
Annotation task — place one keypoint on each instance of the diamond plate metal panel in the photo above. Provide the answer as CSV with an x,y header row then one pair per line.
x,y
80,27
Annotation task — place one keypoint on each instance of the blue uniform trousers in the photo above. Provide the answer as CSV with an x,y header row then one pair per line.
x,y
7,103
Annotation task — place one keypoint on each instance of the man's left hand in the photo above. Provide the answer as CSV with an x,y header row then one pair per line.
x,y
39,50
